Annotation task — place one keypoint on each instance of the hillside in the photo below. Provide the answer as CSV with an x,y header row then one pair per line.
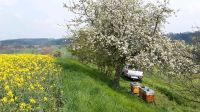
x,y
85,89
35,41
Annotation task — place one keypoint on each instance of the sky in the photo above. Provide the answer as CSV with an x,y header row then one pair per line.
x,y
46,18
186,18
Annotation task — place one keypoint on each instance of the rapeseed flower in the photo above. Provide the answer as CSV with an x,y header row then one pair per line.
x,y
4,100
22,105
45,99
10,94
31,100
25,75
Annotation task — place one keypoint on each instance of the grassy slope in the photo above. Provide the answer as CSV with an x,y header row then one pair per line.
x,y
88,90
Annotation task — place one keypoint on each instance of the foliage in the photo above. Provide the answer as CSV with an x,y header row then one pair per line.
x,y
85,52
29,83
57,53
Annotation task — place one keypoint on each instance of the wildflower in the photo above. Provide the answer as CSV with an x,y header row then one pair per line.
x,y
16,97
22,105
12,100
45,99
29,77
7,87
4,100
41,88
31,87
10,94
29,107
31,100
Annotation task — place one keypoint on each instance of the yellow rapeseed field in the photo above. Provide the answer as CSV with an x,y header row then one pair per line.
x,y
29,83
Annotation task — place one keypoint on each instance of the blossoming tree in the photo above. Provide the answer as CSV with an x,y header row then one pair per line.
x,y
111,33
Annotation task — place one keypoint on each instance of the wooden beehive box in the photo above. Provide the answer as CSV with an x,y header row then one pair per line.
x,y
149,98
135,87
146,94
142,91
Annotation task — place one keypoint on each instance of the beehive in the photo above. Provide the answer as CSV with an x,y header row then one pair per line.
x,y
142,91
146,94
135,87
149,96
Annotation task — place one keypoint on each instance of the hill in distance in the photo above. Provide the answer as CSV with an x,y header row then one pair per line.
x,y
186,36
35,41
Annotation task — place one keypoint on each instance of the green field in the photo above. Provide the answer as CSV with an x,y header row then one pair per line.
x,y
85,89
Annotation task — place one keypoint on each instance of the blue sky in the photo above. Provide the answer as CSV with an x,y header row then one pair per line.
x,y
45,18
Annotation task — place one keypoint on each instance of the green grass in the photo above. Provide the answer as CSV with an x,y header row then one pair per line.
x,y
85,89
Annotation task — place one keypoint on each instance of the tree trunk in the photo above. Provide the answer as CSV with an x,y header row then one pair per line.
x,y
117,76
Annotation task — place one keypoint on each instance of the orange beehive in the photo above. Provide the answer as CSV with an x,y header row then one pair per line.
x,y
146,94
135,87
149,98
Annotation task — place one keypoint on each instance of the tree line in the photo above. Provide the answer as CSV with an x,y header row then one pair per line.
x,y
186,36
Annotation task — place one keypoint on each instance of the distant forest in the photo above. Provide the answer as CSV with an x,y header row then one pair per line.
x,y
186,36
37,41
